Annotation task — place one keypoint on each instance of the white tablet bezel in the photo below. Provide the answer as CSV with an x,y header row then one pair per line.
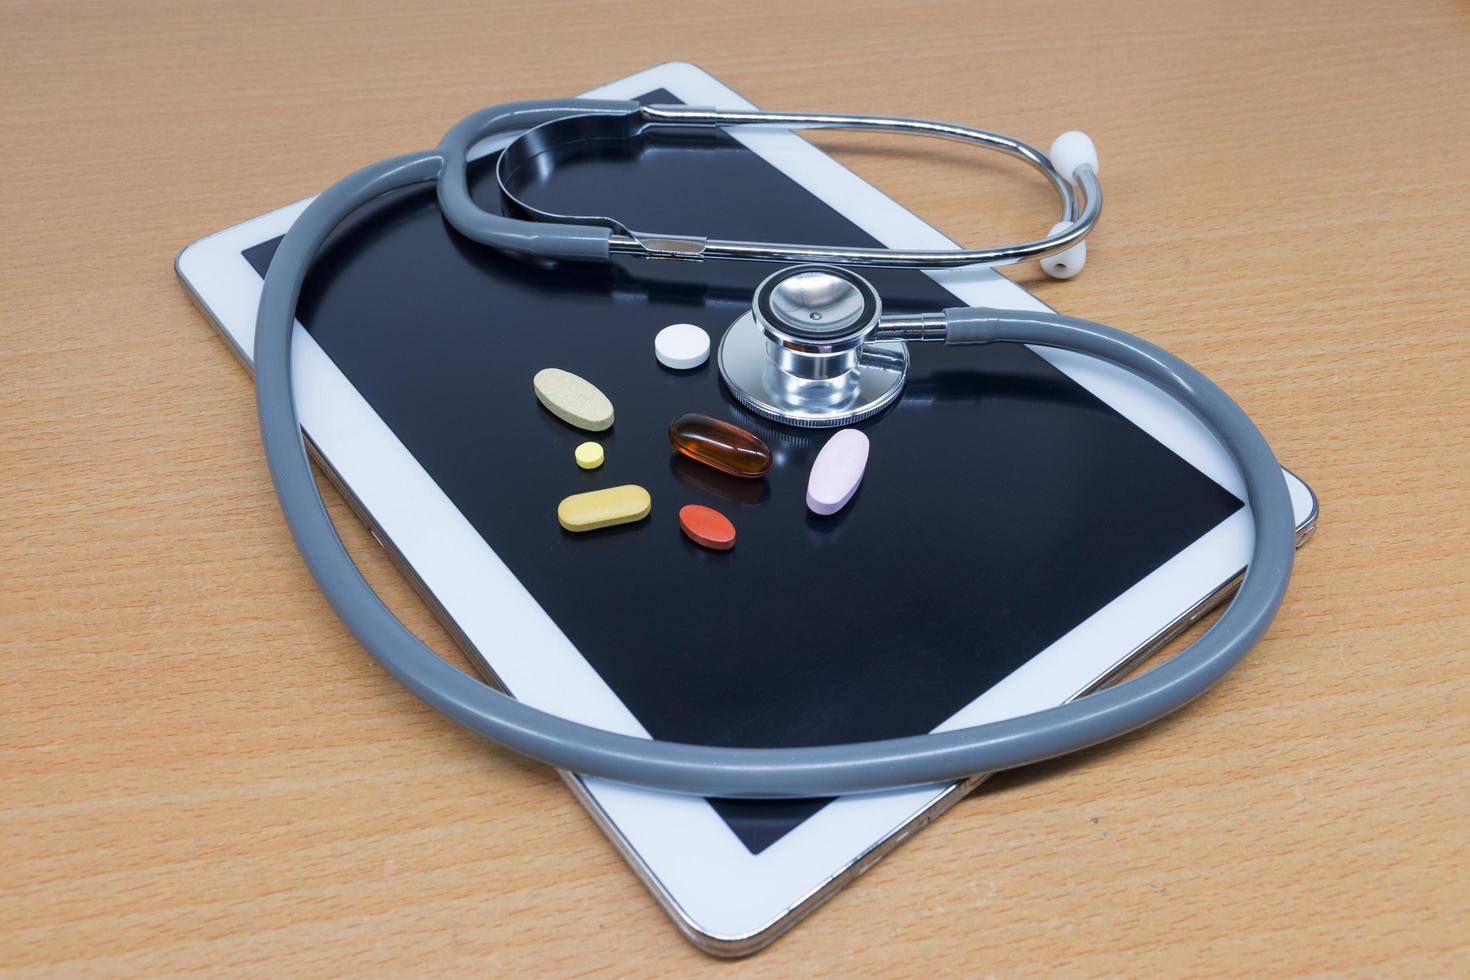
x,y
722,895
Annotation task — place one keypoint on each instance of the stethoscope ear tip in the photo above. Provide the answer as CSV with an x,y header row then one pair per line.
x,y
1065,265
1071,150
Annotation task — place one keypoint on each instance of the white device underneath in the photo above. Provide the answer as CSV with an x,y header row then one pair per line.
x,y
728,900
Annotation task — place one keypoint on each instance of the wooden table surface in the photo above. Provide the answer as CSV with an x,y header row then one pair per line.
x,y
201,770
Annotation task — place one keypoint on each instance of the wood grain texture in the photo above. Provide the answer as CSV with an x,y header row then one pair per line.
x,y
202,772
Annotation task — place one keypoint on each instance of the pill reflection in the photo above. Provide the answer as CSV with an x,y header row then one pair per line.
x,y
731,489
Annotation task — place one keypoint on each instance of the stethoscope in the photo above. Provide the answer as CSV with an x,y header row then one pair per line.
x,y
815,350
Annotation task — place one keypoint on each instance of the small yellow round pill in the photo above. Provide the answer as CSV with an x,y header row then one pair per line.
x,y
589,455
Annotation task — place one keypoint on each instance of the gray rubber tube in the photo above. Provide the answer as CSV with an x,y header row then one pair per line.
x,y
740,772
586,243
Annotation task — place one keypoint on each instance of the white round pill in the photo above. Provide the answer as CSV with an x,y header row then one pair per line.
x,y
681,346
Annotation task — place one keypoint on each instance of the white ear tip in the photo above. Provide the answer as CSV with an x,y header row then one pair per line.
x,y
1065,265
1071,150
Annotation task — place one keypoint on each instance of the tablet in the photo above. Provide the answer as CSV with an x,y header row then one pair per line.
x,y
1030,521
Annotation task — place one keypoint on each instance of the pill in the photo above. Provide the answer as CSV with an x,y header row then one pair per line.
x,y
576,401
589,455
837,471
681,346
726,447
604,508
707,526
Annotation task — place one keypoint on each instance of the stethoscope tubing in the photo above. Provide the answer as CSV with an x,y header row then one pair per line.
x,y
762,772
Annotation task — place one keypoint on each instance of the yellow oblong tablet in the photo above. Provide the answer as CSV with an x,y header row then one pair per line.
x,y
604,508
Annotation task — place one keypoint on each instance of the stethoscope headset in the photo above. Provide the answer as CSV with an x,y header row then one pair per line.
x,y
815,350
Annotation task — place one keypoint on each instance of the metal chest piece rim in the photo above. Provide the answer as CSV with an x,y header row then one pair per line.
x,y
802,356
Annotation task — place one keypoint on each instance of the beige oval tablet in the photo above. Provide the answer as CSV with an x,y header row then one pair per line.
x,y
604,508
574,400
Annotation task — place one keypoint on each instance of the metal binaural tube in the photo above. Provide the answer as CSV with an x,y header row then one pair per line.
x,y
1077,218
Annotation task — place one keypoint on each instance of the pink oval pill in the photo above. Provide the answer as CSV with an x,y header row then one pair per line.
x,y
837,472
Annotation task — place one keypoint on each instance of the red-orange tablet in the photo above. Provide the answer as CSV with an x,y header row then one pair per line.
x,y
707,526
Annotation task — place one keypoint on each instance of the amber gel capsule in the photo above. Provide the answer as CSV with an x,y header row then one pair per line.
x,y
726,447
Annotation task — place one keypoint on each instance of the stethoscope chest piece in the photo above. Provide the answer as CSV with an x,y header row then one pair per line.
x,y
805,353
